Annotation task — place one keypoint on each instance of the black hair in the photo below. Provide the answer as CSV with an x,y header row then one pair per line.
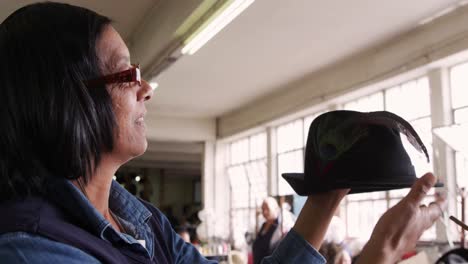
x,y
50,120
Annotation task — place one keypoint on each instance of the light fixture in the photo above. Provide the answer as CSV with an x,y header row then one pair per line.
x,y
154,85
114,177
137,178
232,9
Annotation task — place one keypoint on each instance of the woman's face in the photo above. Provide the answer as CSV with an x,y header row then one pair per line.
x,y
266,211
128,99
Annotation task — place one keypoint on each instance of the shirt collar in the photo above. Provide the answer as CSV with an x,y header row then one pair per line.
x,y
127,206
121,202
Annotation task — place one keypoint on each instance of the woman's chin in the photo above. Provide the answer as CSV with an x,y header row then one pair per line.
x,y
141,149
133,151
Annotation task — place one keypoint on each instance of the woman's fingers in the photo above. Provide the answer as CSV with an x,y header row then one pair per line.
x,y
420,189
435,210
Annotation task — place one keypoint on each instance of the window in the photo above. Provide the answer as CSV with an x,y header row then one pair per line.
x,y
248,180
290,143
459,92
458,85
369,103
399,100
291,140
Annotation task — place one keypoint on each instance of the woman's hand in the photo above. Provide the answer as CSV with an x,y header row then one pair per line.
x,y
315,216
400,227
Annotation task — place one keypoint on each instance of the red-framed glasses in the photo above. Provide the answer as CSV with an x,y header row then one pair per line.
x,y
131,75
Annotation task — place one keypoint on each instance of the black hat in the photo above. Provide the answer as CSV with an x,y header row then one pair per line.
x,y
360,151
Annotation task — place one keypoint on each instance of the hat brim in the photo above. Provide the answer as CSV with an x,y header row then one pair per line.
x,y
297,182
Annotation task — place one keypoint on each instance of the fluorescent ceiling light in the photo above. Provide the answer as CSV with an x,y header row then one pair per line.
x,y
154,85
210,29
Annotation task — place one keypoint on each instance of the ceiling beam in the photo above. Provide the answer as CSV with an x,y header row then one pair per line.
x,y
164,164
171,156
175,147
179,129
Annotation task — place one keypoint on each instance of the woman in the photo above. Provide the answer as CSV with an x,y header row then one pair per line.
x,y
72,109
271,232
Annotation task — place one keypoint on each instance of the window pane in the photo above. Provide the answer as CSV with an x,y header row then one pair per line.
x,y
240,151
240,222
366,196
307,121
367,104
459,85
289,162
362,217
240,186
256,172
258,146
289,136
401,100
398,193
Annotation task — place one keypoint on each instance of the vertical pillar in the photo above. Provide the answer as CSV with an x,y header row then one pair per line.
x,y
444,160
223,193
272,162
208,177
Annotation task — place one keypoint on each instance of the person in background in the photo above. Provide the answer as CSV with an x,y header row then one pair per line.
x,y
271,231
72,111
183,233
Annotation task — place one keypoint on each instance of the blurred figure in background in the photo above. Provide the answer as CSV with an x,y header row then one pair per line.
x,y
183,233
271,232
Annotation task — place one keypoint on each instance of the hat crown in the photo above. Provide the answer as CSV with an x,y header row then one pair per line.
x,y
361,151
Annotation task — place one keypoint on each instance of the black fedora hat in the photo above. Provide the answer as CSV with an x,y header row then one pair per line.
x,y
360,151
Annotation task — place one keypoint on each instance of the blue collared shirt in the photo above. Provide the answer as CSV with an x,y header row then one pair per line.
x,y
21,247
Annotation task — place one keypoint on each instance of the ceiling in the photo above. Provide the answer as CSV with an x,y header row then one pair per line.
x,y
269,45
275,42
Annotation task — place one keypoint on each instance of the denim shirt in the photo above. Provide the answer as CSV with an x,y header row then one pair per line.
x,y
23,247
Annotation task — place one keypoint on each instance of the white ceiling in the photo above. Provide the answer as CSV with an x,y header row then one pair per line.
x,y
275,42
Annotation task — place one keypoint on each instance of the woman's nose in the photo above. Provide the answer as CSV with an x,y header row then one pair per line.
x,y
145,92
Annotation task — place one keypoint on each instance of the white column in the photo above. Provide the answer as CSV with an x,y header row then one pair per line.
x,y
272,162
222,191
215,189
208,176
208,188
444,161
